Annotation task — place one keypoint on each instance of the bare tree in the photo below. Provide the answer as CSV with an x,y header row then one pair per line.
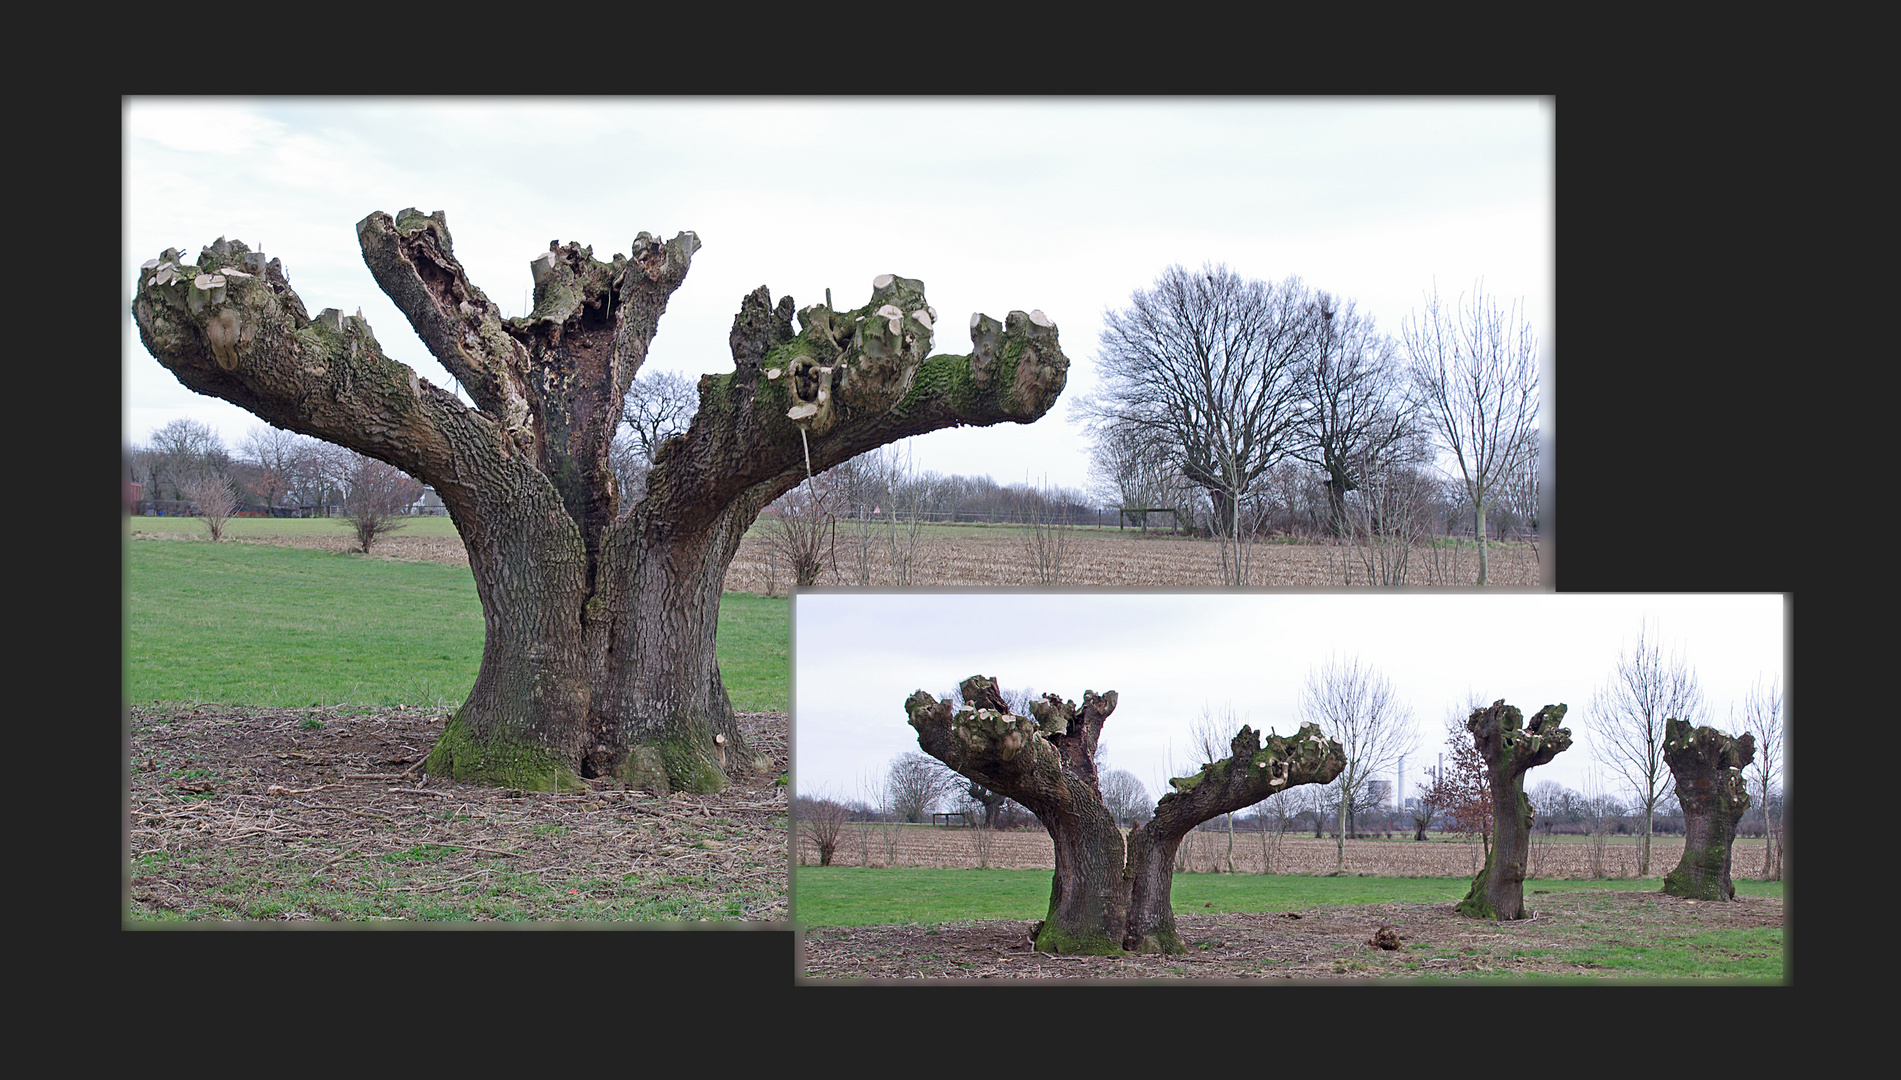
x,y
1356,706
1387,518
659,405
799,529
1273,816
1600,812
821,824
860,486
915,783
211,494
276,454
316,472
181,452
1426,806
1131,468
1205,740
1205,364
1523,494
1126,796
907,494
376,496
1762,717
1046,534
1354,409
1629,717
1475,379
599,660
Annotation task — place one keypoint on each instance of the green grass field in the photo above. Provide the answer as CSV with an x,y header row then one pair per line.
x,y
254,624
286,528
860,896
1593,939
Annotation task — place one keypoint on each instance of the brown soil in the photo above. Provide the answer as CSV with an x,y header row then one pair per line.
x,y
244,813
1319,943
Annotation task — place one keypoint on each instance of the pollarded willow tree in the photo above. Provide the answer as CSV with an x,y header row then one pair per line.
x,y
1108,896
1708,765
598,657
1509,746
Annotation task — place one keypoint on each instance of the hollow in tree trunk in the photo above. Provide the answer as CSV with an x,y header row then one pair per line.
x,y
599,617
1708,765
1105,897
1509,746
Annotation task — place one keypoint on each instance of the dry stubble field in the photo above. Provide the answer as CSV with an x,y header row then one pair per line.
x,y
1207,852
966,556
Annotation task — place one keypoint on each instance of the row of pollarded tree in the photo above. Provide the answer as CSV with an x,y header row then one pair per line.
x,y
1110,894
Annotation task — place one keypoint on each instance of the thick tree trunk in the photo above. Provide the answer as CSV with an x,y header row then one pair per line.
x,y
1106,896
1509,746
600,620
1708,765
524,722
1046,763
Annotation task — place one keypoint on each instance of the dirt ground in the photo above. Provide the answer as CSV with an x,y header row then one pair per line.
x,y
1316,944
324,814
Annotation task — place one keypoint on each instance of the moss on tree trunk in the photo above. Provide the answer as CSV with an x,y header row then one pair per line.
x,y
1509,746
1107,896
1708,766
599,652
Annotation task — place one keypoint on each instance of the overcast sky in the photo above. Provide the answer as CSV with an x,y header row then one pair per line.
x,y
996,204
1170,655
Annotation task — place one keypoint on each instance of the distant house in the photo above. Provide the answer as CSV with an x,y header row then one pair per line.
x,y
428,503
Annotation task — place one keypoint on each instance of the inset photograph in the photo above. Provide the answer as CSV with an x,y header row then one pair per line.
x,y
1227,787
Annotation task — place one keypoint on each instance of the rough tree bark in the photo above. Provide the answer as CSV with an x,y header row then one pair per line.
x,y
1708,765
1510,746
598,659
1106,897
990,800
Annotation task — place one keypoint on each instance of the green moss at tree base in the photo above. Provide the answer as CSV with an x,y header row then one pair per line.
x,y
498,763
671,765
1162,942
1699,876
1054,939
1476,905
